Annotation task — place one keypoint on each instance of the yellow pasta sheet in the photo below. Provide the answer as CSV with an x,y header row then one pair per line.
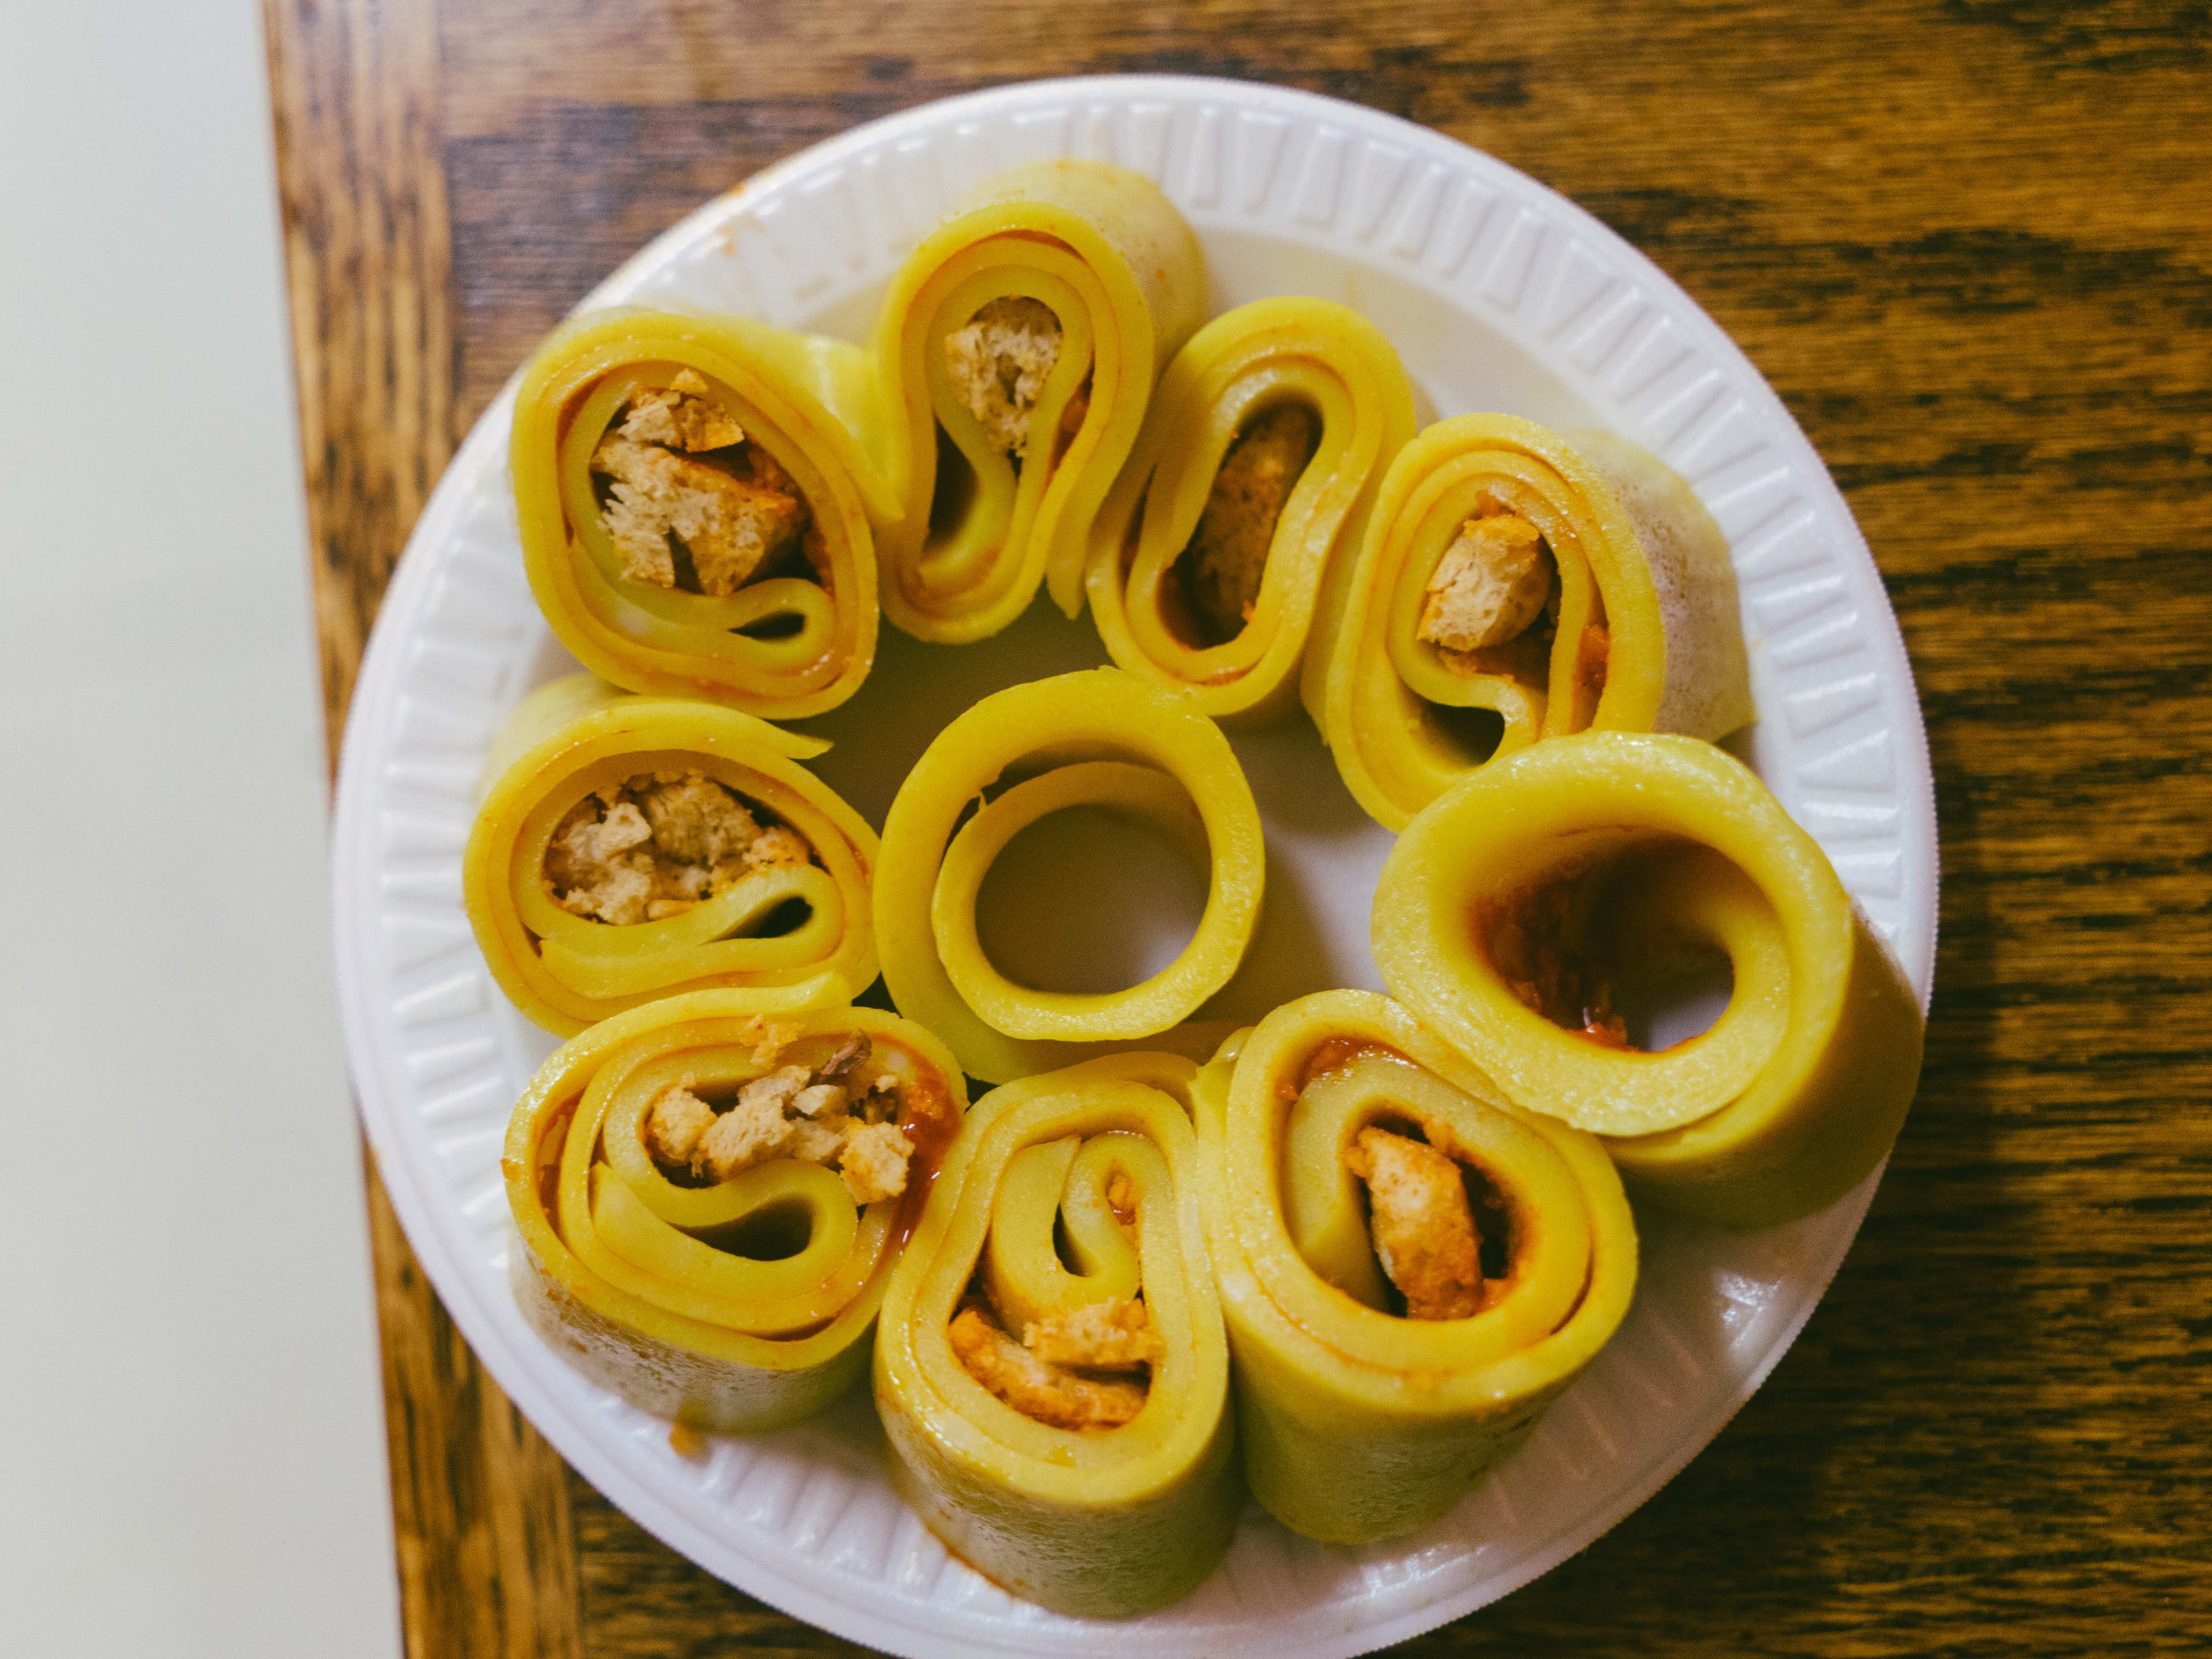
x,y
1638,630
791,635
1517,913
800,920
1102,1521
990,512
1182,538
1098,739
736,1305
1358,1422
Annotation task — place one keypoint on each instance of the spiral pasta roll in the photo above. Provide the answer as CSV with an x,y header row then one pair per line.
x,y
1510,586
712,1192
699,501
1062,1423
1019,346
1391,1346
631,846
1522,913
1259,459
1108,741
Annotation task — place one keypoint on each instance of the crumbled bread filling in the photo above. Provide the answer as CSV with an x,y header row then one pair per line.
x,y
659,844
1113,1335
677,521
1227,558
1421,1222
1050,1394
827,1114
1491,584
999,361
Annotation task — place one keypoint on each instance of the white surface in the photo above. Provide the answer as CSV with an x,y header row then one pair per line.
x,y
191,1447
1501,296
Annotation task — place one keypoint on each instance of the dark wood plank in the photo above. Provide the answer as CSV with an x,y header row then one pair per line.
x,y
486,1554
1969,243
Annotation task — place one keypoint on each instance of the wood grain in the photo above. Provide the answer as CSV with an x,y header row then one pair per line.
x,y
1971,244
486,1553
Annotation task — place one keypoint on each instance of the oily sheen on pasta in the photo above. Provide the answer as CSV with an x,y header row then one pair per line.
x,y
1019,346
1513,584
711,1194
631,846
1250,484
1095,739
1516,912
1050,1367
1391,1345
699,500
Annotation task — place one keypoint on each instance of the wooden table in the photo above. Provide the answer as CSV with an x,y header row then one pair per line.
x,y
1969,244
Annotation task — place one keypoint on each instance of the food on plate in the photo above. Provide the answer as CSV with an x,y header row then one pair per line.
x,y
1259,456
631,846
1513,584
1050,1366
699,501
712,1192
1099,739
1535,913
1411,1268
1018,346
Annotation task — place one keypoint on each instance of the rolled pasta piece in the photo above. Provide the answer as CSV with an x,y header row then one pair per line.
x,y
699,501
1019,346
1259,460
1513,586
712,1192
1108,741
1391,1344
1530,912
631,847
1060,1410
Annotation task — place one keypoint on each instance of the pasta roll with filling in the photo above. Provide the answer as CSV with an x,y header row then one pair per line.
x,y
1267,439
1019,346
1531,913
1513,586
1411,1268
1099,739
712,1192
699,501
1050,1367
631,847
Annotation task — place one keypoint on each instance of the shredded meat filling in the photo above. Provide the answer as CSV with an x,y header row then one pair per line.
x,y
1491,584
999,362
1421,1222
727,515
829,1113
658,844
1227,558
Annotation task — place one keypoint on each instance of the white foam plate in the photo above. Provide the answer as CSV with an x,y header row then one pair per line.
x,y
1501,296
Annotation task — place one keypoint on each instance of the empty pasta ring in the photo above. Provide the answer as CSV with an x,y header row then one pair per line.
x,y
1096,737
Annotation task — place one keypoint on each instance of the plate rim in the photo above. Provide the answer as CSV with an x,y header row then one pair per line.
x,y
376,687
